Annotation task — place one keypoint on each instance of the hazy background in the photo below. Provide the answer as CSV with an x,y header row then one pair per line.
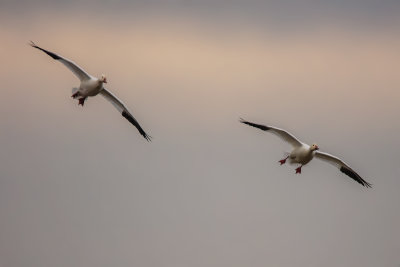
x,y
80,186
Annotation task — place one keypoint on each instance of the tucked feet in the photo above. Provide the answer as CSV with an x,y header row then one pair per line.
x,y
82,101
298,170
75,95
282,161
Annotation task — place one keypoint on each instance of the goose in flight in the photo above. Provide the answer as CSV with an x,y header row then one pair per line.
x,y
92,86
303,153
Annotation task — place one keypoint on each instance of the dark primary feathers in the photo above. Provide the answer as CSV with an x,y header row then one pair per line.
x,y
342,166
132,120
54,56
259,126
124,111
78,71
349,172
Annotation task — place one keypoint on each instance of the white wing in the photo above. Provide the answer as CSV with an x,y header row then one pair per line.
x,y
124,111
343,167
286,136
78,71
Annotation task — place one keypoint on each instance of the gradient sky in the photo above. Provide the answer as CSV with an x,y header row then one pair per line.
x,y
80,187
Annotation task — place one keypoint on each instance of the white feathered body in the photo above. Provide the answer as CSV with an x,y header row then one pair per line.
x,y
90,87
301,155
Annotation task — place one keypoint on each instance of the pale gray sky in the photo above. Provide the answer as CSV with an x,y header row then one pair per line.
x,y
80,187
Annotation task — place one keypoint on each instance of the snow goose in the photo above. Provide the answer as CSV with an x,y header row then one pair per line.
x,y
303,153
92,86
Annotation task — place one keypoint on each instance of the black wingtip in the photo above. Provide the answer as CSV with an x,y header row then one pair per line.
x,y
241,120
355,176
31,43
51,54
368,185
148,137
259,126
132,120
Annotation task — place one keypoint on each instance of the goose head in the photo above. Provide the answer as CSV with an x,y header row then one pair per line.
x,y
103,78
314,147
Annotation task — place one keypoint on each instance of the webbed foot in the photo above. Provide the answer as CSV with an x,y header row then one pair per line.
x,y
298,170
283,161
82,101
75,95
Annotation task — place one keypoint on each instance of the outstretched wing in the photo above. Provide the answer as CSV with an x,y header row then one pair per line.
x,y
286,136
343,167
124,111
78,71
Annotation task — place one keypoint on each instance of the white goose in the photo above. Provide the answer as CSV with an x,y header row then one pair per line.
x,y
91,86
303,153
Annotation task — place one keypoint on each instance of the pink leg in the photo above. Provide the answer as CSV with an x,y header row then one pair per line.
x,y
298,170
282,161
75,95
82,101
